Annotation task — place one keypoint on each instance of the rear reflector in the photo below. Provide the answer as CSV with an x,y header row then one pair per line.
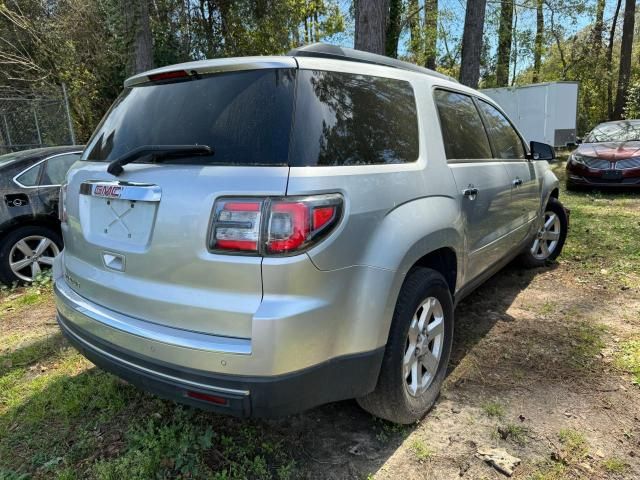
x,y
168,75
276,226
205,397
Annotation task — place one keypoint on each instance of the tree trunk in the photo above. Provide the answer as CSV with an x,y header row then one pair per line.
x,y
472,42
515,47
539,41
415,41
138,29
612,36
598,26
505,35
394,27
431,33
626,47
371,25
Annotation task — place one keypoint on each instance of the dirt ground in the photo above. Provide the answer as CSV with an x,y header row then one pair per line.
x,y
535,370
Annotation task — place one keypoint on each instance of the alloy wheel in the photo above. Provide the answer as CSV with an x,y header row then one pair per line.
x,y
424,346
547,238
31,255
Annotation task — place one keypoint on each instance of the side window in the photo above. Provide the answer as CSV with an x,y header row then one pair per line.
x,y
30,177
55,169
350,119
463,133
506,142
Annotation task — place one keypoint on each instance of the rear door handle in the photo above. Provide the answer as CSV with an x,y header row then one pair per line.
x,y
517,182
470,191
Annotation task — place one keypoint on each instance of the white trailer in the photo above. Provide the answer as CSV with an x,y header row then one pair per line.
x,y
544,112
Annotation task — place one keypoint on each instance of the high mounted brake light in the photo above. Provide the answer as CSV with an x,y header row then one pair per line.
x,y
273,226
158,77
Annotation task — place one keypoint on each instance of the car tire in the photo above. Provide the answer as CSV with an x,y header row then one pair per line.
x,y
532,260
394,399
7,275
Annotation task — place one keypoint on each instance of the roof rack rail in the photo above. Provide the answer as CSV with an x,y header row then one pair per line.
x,y
325,50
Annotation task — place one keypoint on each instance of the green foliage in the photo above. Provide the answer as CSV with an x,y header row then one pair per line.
x,y
86,43
628,359
614,465
493,409
632,106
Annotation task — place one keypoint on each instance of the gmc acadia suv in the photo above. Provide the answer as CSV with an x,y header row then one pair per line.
x,y
263,235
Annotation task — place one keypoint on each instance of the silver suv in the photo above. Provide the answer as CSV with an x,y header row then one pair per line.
x,y
263,235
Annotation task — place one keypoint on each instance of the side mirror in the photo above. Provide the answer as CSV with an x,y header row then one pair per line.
x,y
542,151
578,140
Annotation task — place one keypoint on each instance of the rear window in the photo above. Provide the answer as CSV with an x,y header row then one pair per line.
x,y
347,119
248,119
244,116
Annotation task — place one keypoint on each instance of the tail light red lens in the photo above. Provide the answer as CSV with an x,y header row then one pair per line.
x,y
273,226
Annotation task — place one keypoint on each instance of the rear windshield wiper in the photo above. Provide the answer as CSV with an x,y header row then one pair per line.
x,y
157,153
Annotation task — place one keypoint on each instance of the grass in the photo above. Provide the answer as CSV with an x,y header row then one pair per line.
x,y
628,359
587,343
493,409
574,445
421,450
614,465
604,228
550,471
16,298
516,433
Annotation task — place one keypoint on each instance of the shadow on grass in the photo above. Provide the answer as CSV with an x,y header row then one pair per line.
x,y
91,424
31,352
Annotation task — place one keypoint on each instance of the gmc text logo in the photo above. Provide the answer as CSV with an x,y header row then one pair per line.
x,y
109,191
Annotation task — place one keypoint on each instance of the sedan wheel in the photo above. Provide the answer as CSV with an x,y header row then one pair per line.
x,y
31,255
548,236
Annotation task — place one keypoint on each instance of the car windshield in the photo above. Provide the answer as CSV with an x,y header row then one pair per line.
x,y
628,131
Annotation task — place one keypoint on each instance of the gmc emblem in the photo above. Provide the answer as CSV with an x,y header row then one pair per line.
x,y
109,191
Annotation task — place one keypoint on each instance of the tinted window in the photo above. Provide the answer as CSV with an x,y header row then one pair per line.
x,y
244,116
30,177
347,119
462,129
506,142
56,168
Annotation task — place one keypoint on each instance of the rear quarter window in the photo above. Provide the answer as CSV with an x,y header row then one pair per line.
x,y
349,119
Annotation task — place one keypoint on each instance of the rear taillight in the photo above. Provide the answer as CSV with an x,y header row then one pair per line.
x,y
237,225
273,226
62,204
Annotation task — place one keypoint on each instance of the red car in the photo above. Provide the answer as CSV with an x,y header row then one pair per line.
x,y
608,157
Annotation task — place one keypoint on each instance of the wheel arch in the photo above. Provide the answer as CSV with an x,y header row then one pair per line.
x,y
46,221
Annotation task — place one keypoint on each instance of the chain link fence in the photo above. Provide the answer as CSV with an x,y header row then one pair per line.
x,y
33,121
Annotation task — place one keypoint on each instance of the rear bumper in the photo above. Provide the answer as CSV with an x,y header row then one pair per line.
x,y
82,322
